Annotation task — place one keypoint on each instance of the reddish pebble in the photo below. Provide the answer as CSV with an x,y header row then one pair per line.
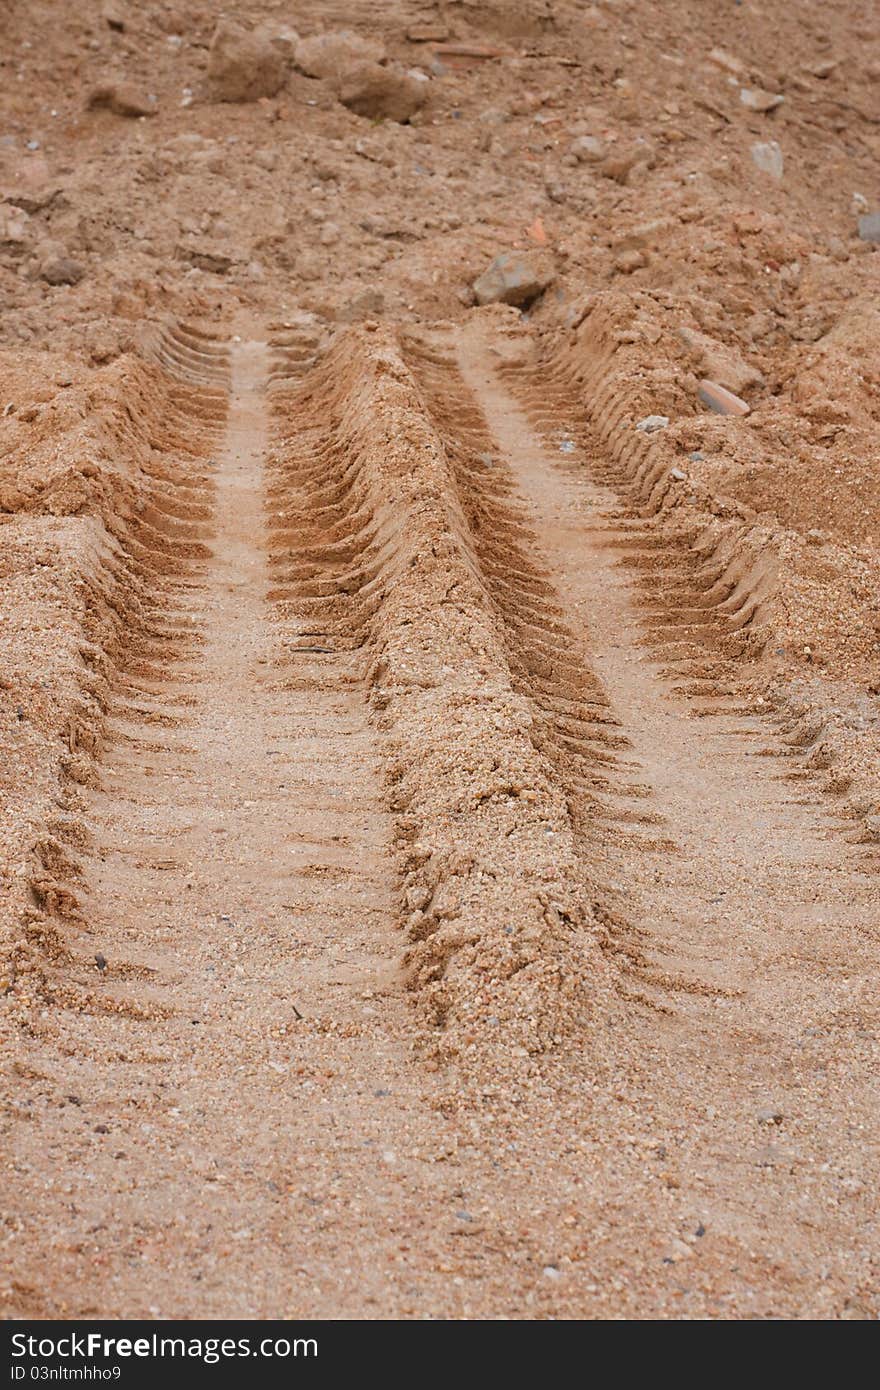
x,y
722,401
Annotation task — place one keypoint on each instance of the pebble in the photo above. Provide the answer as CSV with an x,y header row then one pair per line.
x,y
767,156
628,261
770,1115
757,99
720,400
678,475
727,61
869,226
62,271
651,423
588,149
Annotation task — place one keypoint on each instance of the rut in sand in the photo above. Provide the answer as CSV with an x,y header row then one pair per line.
x,y
239,1125
750,931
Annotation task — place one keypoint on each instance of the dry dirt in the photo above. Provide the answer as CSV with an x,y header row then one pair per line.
x,y
441,803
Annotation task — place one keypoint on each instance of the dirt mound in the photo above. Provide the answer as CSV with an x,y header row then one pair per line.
x,y
97,515
492,894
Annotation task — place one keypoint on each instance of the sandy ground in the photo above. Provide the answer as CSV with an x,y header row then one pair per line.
x,y
438,871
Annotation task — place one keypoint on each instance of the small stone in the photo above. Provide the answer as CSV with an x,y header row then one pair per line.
x,y
100,961
379,92
628,261
123,99
757,99
770,1115
678,475
720,400
243,65
551,1272
869,226
61,270
515,277
651,423
13,226
767,156
588,149
725,60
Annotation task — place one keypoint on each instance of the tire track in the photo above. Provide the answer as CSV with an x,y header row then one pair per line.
x,y
371,542
762,923
237,1128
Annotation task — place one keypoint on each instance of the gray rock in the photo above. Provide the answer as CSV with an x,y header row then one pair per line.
x,y
869,226
588,149
516,277
767,156
756,99
651,423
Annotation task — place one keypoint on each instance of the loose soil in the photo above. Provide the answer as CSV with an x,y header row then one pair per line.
x,y
438,871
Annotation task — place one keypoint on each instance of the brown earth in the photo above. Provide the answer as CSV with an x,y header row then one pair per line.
x,y
440,757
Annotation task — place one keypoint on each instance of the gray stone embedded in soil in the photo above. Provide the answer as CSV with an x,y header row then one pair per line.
x,y
515,278
869,226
